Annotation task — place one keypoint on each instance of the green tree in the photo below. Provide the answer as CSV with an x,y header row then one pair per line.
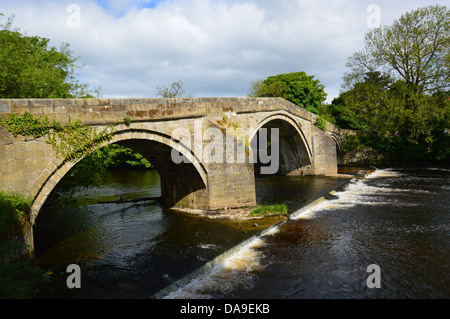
x,y
396,94
343,116
391,117
31,68
173,90
298,88
414,49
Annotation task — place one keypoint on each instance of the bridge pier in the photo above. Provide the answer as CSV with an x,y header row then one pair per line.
x,y
231,185
228,186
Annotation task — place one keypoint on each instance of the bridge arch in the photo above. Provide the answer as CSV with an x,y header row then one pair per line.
x,y
294,150
155,147
338,140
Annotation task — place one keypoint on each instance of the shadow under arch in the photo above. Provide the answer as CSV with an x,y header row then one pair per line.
x,y
180,183
294,151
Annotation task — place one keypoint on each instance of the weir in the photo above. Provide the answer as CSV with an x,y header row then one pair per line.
x,y
214,272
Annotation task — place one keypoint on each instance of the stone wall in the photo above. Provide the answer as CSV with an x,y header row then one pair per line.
x,y
23,161
324,153
30,166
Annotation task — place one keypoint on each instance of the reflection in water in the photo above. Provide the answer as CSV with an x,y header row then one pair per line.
x,y
397,219
140,247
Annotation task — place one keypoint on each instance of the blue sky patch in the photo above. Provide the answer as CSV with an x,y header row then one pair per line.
x,y
122,9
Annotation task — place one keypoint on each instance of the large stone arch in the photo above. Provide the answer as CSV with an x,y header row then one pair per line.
x,y
157,148
295,154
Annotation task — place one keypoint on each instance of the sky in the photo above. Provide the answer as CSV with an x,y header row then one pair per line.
x,y
218,48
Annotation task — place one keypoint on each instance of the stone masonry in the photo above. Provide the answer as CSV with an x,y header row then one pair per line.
x,y
30,166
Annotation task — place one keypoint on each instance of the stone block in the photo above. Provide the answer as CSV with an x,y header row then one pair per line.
x,y
5,106
18,165
36,164
90,102
19,103
12,176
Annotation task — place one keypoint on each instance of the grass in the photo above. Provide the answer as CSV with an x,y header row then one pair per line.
x,y
270,210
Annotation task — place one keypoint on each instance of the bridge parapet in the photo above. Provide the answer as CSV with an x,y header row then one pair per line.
x,y
110,110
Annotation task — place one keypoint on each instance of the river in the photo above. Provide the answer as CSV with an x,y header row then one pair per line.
x,y
397,219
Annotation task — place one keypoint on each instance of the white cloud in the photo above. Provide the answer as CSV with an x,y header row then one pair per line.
x,y
216,47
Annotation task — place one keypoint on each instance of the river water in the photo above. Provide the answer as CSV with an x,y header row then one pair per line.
x,y
397,219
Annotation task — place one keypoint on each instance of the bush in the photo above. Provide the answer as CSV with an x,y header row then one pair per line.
x,y
18,277
14,209
268,210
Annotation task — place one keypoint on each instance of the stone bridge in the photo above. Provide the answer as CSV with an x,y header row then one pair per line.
x,y
204,149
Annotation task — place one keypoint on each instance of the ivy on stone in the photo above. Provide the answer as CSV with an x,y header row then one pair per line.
x,y
26,125
77,139
70,142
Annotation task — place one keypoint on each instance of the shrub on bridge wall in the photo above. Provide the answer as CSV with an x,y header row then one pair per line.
x,y
234,129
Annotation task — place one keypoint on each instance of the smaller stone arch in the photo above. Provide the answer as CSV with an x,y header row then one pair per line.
x,y
337,138
295,153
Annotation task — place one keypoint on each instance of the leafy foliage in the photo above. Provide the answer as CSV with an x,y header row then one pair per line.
x,y
31,68
14,209
321,123
397,93
390,117
298,88
414,49
17,278
77,139
119,157
26,125
71,142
